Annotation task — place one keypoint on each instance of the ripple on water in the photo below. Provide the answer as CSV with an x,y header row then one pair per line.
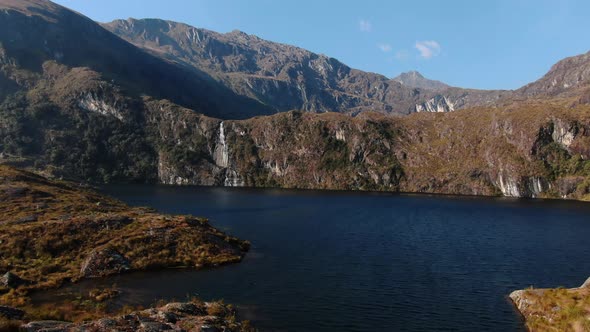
x,y
333,261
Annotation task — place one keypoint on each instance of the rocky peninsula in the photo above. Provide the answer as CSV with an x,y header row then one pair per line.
x,y
56,232
559,309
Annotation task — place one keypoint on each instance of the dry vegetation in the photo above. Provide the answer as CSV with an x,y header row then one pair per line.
x,y
555,310
53,232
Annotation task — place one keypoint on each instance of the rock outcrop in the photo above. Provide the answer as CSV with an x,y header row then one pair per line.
x,y
190,316
438,104
11,280
104,262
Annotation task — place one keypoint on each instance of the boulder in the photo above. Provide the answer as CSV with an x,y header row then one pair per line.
x,y
11,280
46,325
184,308
11,313
104,262
26,219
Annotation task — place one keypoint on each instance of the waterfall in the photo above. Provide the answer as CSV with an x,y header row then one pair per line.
x,y
221,154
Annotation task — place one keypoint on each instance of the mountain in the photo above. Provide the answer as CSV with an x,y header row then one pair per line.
x,y
178,106
286,77
414,79
567,76
36,32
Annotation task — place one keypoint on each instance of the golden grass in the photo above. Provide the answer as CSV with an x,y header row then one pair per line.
x,y
557,309
48,228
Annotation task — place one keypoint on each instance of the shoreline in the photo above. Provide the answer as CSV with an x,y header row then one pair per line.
x,y
54,233
554,309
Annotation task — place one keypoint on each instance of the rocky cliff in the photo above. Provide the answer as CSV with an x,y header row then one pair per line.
x,y
528,152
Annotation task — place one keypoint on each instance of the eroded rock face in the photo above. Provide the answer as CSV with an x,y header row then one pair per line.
x,y
438,104
104,262
92,102
564,133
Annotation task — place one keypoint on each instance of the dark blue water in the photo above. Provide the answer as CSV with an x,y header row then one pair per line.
x,y
333,261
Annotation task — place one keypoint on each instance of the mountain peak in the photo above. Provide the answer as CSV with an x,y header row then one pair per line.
x,y
412,73
414,79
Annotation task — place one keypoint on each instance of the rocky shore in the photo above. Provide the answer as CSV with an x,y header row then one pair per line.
x,y
188,316
56,232
559,309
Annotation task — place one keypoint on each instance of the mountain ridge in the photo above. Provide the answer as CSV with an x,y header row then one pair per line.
x,y
79,115
348,90
287,77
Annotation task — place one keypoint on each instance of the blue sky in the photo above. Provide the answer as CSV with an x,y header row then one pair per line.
x,y
499,44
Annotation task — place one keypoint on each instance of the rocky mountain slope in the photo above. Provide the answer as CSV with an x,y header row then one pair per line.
x,y
414,79
74,117
564,77
288,78
532,149
33,32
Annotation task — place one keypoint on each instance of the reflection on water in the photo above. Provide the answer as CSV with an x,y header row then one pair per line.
x,y
336,261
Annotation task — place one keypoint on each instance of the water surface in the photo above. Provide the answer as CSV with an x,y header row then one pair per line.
x,y
335,261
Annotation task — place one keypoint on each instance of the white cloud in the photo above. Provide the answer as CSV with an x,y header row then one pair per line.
x,y
428,48
384,47
365,26
402,55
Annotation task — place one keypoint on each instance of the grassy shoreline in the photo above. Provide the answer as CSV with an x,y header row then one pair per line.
x,y
55,232
554,309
